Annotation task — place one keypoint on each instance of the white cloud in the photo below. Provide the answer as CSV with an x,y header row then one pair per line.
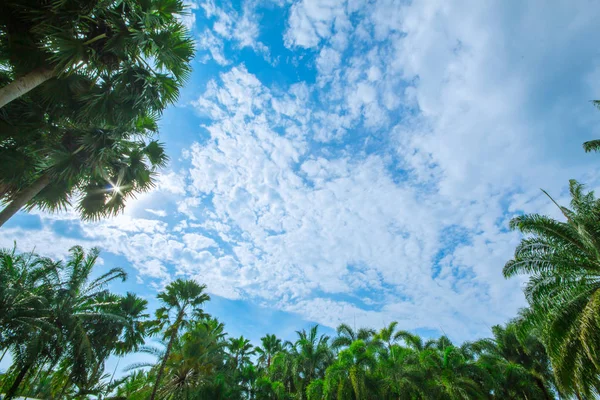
x,y
312,20
158,213
196,241
214,45
227,24
171,182
382,191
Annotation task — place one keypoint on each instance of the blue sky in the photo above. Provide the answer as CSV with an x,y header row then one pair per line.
x,y
348,161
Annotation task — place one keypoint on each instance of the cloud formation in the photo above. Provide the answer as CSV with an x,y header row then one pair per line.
x,y
378,187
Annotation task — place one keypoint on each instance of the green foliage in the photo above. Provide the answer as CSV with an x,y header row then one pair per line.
x,y
60,324
85,137
563,261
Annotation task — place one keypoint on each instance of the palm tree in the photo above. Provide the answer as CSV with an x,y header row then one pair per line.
x,y
133,309
133,333
520,365
25,292
271,345
346,336
389,336
179,299
26,295
348,376
401,372
105,165
240,350
311,355
75,311
593,145
451,371
563,260
195,359
45,42
84,315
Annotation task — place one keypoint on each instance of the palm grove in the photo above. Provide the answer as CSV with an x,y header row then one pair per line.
x,y
82,86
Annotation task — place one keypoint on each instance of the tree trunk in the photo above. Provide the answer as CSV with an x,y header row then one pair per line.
x,y
17,382
115,371
543,389
24,197
24,84
163,363
34,380
3,354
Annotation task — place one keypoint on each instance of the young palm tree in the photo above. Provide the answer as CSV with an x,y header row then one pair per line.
x,y
49,41
563,260
180,298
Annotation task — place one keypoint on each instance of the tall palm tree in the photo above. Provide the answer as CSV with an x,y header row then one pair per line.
x,y
240,350
83,313
180,299
44,41
346,336
563,291
311,355
270,345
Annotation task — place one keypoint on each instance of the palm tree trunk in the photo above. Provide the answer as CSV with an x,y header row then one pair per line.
x,y
115,371
17,382
24,197
540,384
3,354
34,380
163,363
24,84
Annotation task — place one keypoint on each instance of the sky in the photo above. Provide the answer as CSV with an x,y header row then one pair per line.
x,y
350,161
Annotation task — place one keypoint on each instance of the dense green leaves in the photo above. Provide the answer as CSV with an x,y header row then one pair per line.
x,y
82,85
563,261
57,317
